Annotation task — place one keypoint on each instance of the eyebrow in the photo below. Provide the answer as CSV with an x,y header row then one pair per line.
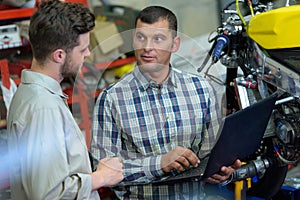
x,y
83,49
153,35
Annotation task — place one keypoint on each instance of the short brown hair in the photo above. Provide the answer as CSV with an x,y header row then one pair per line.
x,y
58,24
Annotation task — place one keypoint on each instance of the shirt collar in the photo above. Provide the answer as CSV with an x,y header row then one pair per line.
x,y
145,82
30,77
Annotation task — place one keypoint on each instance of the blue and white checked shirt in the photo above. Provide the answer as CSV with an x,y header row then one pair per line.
x,y
140,121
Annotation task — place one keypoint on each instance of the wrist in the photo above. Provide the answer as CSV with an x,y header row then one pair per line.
x,y
97,180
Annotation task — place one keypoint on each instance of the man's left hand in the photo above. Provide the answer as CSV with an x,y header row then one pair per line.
x,y
224,173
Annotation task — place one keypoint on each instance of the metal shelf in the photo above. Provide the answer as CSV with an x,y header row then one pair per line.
x,y
8,13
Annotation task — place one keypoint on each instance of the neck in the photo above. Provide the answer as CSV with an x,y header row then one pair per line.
x,y
157,74
46,69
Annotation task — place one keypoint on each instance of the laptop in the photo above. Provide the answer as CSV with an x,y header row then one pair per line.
x,y
240,137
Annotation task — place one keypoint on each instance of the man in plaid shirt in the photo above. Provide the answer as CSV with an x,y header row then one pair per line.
x,y
157,118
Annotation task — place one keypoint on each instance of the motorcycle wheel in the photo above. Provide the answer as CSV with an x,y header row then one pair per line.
x,y
270,184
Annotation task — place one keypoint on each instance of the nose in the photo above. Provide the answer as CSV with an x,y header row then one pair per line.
x,y
148,46
88,52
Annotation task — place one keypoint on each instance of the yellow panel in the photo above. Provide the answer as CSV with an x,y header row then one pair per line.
x,y
276,29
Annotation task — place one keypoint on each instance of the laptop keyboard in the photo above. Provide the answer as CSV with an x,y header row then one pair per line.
x,y
191,174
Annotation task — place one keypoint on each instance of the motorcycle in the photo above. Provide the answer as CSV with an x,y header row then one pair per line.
x,y
257,43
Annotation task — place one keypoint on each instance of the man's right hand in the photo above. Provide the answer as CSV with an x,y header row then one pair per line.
x,y
179,158
109,172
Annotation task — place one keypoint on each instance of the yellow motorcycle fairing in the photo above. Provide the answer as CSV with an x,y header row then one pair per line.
x,y
276,29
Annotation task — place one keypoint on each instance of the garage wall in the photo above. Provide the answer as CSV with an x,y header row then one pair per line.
x,y
196,17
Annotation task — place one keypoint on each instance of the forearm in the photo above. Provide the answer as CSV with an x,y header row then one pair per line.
x,y
58,168
97,180
75,186
142,170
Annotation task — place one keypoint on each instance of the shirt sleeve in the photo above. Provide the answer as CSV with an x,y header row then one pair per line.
x,y
45,166
107,142
212,119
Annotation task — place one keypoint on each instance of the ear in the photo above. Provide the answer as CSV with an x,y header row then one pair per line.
x,y
176,44
58,56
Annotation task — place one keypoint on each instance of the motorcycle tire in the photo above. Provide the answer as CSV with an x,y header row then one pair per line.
x,y
270,184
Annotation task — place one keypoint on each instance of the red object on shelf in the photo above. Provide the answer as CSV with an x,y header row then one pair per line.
x,y
7,13
15,69
4,73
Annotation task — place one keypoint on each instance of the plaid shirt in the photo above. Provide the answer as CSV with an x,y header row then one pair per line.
x,y
140,121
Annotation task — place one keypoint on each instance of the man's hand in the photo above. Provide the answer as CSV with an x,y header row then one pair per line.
x,y
109,172
179,158
224,173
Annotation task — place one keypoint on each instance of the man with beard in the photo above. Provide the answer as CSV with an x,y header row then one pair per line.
x,y
48,152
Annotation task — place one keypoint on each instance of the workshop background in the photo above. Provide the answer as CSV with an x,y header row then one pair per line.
x,y
197,19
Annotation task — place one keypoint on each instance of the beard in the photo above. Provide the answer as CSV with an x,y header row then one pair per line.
x,y
67,69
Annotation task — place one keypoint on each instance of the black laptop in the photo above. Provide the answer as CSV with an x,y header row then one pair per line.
x,y
240,136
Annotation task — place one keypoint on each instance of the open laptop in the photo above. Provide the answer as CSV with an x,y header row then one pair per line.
x,y
240,136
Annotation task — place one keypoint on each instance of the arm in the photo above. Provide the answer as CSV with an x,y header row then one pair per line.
x,y
179,158
48,171
224,173
210,138
212,119
109,172
108,141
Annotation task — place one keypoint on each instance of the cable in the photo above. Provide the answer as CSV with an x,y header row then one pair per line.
x,y
239,12
250,6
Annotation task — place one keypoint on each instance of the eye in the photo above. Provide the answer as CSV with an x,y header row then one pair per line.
x,y
140,37
159,38
85,50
